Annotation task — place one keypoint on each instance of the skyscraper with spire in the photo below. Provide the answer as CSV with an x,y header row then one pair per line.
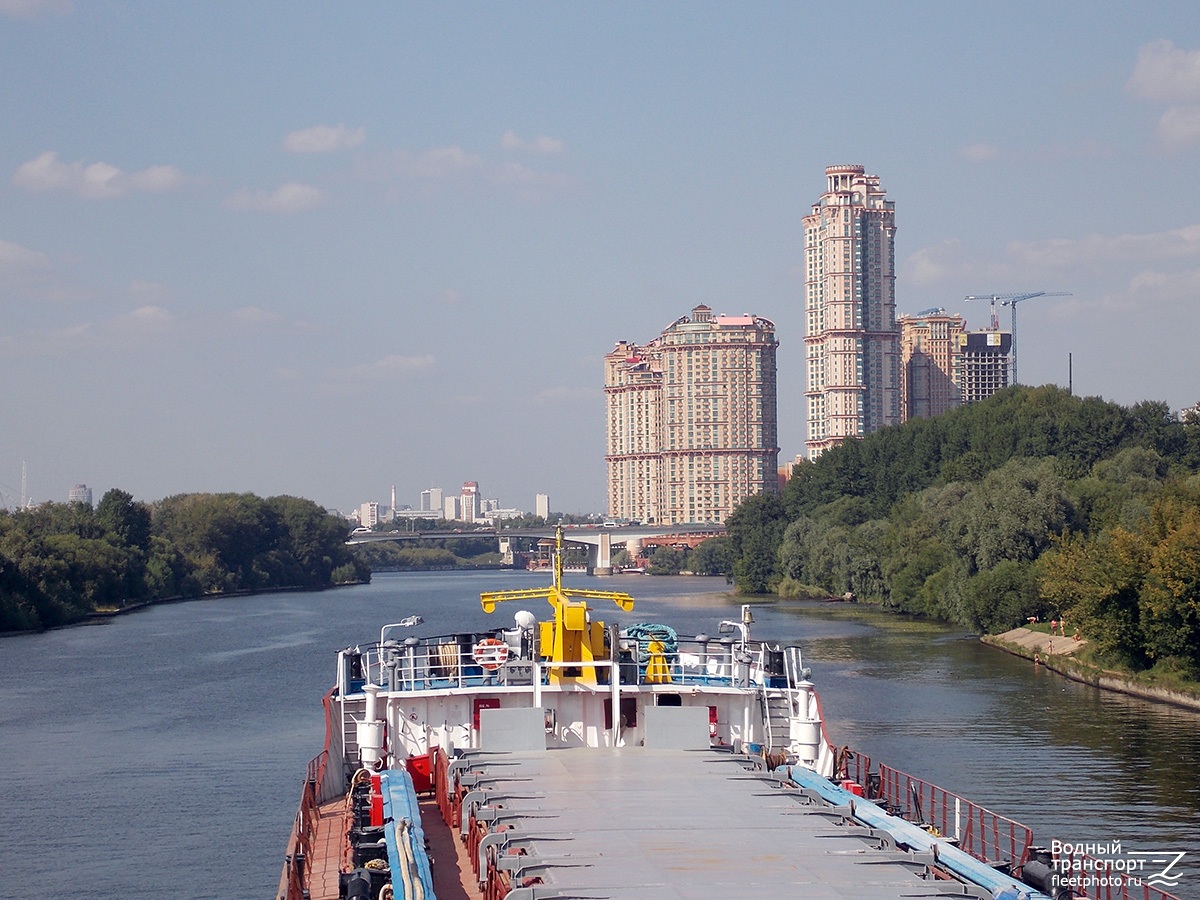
x,y
851,341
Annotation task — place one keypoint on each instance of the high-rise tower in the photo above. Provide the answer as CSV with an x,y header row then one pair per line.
x,y
930,362
692,419
852,344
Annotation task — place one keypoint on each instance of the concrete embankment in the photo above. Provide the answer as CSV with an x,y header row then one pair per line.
x,y
1057,653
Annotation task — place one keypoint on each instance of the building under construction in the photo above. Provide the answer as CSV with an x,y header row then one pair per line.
x,y
983,364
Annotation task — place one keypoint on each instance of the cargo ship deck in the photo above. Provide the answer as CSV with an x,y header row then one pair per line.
x,y
644,823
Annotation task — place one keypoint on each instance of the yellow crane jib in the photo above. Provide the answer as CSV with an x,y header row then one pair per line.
x,y
570,637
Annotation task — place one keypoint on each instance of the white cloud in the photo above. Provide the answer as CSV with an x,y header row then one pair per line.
x,y
979,152
324,139
375,375
15,258
1151,284
149,292
149,316
146,327
255,317
947,261
98,180
1179,127
453,166
31,9
1166,73
33,278
438,162
156,180
541,144
1096,249
516,174
292,197
951,260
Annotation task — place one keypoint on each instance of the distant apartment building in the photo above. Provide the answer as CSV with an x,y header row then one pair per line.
x,y
80,493
368,514
929,363
983,366
450,508
851,342
431,500
468,502
691,419
541,505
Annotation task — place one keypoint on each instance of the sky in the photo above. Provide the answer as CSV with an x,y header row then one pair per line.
x,y
322,249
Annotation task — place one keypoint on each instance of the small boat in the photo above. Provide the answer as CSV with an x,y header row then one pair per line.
x,y
573,758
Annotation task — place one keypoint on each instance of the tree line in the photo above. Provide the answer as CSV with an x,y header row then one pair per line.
x,y
1034,503
61,561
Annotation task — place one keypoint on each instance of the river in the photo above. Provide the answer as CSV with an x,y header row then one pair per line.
x,y
161,753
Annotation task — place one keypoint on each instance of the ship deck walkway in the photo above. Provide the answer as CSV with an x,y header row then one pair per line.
x,y
640,823
326,857
454,879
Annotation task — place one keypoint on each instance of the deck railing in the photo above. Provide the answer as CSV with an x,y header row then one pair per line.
x,y
294,882
988,836
438,663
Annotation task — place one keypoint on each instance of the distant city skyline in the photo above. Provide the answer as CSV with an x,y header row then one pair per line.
x,y
280,250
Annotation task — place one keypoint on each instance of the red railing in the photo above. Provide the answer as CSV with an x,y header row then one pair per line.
x,y
988,836
293,885
443,791
850,765
1090,878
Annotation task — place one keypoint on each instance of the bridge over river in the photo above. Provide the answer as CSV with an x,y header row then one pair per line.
x,y
600,540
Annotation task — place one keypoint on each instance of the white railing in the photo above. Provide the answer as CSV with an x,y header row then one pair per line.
x,y
441,663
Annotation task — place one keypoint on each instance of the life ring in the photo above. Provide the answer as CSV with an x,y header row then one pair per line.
x,y
490,653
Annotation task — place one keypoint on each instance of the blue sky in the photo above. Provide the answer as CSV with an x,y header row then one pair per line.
x,y
321,249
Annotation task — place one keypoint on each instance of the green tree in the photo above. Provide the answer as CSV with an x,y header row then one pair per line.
x,y
124,519
1013,514
755,530
1098,582
1001,597
666,561
712,557
1170,600
312,542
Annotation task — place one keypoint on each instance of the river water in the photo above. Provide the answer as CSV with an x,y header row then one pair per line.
x,y
160,754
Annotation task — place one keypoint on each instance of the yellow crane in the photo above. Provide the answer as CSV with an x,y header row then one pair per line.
x,y
1011,300
571,637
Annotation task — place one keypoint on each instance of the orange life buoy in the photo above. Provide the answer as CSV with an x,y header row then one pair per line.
x,y
490,653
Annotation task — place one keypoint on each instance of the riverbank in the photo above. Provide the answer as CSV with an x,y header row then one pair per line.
x,y
1058,655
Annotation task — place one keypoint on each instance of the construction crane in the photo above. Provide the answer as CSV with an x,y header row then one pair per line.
x,y
992,299
1011,300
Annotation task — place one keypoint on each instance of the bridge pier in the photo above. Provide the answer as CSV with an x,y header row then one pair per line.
x,y
600,555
